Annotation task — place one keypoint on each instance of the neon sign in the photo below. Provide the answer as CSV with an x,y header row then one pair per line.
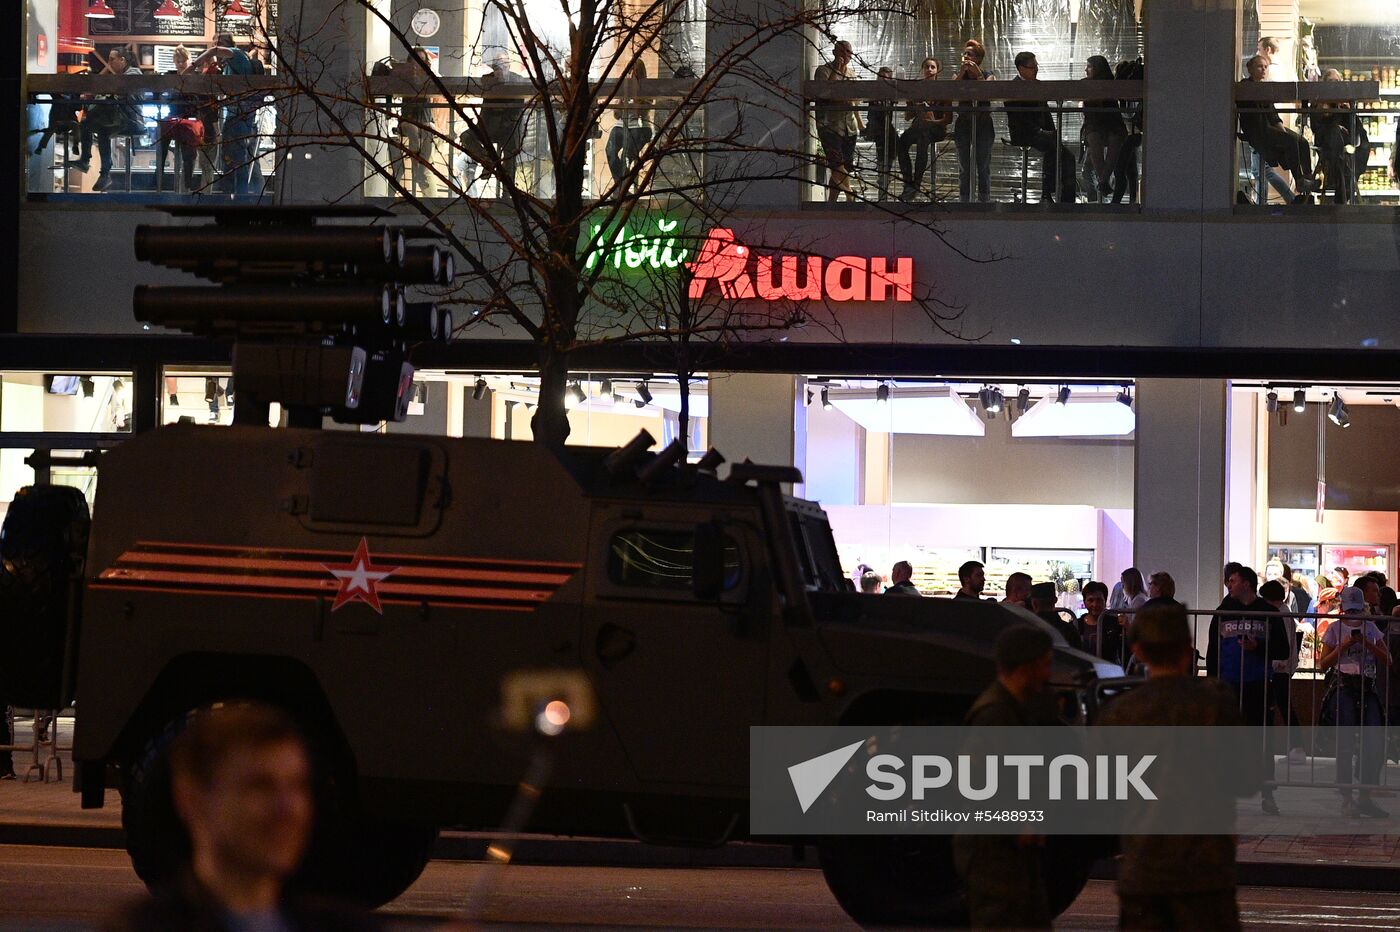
x,y
725,261
637,250
722,259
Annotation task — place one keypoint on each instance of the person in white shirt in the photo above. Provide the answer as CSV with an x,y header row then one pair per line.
x,y
1356,647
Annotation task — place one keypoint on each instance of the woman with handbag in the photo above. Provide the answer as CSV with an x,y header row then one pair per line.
x,y
182,128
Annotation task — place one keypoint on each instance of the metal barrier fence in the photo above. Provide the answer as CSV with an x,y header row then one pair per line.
x,y
1334,723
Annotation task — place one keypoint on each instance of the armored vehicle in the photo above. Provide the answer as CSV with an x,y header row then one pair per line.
x,y
442,615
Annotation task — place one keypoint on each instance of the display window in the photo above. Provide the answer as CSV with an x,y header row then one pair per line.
x,y
1313,496
38,403
1022,478
1346,144
604,410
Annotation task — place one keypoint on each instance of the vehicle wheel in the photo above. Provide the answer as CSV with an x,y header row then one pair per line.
x,y
884,880
350,857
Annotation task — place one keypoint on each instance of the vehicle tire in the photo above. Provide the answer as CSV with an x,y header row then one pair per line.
x,y
894,880
43,545
350,857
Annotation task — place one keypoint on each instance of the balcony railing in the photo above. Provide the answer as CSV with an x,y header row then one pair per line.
x,y
1339,134
997,141
434,137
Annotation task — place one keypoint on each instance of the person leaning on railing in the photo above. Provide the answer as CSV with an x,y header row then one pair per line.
x,y
1104,131
1263,129
838,125
1336,130
1030,125
973,131
1357,648
928,126
108,117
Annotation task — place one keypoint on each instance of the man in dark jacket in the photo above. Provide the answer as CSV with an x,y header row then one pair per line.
x,y
1241,652
241,783
1005,874
1032,126
901,580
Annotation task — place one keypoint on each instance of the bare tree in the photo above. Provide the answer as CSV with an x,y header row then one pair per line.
x,y
571,255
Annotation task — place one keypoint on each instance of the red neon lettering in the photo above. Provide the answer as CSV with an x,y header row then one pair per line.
x,y
846,278
722,260
902,278
809,290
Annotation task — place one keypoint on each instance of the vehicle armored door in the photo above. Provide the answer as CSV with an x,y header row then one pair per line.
x,y
680,678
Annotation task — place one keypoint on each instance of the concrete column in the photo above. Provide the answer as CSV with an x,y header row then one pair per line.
x,y
325,41
756,417
1179,484
1246,475
1191,70
763,112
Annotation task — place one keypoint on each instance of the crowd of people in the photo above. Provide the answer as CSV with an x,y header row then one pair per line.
x,y
1253,645
220,137
1337,132
1110,137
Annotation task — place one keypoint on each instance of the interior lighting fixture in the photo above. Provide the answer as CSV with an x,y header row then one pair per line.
x,y
605,394
1125,397
882,394
1271,401
235,10
479,389
574,396
1023,400
826,398
99,9
1337,411
1093,414
643,393
992,401
1062,396
915,409
168,10
1300,400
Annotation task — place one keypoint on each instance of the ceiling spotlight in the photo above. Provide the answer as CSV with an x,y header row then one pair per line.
x,y
1062,397
574,396
1271,401
644,393
1125,397
1023,400
1337,411
605,394
992,401
809,397
1300,400
479,389
882,394
826,399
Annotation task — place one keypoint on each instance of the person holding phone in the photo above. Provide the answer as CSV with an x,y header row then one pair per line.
x,y
973,132
1356,647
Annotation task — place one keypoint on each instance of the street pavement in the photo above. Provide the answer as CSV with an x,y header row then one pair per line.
x,y
1293,849
60,888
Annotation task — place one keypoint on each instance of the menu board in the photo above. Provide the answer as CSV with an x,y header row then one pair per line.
x,y
134,18
245,27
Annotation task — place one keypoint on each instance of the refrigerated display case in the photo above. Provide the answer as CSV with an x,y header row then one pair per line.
x,y
1357,558
1300,558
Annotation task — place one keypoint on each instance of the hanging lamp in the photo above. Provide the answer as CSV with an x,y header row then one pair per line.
x,y
99,9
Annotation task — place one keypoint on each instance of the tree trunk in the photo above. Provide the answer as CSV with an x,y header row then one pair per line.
x,y
551,421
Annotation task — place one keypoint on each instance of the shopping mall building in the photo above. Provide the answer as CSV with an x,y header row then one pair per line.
x,y
1198,373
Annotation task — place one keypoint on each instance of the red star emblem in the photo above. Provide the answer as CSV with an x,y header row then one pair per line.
x,y
358,580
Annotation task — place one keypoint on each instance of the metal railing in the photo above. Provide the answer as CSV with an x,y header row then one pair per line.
x,y
1340,133
996,133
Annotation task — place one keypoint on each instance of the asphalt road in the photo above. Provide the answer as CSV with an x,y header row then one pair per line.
x,y
72,888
